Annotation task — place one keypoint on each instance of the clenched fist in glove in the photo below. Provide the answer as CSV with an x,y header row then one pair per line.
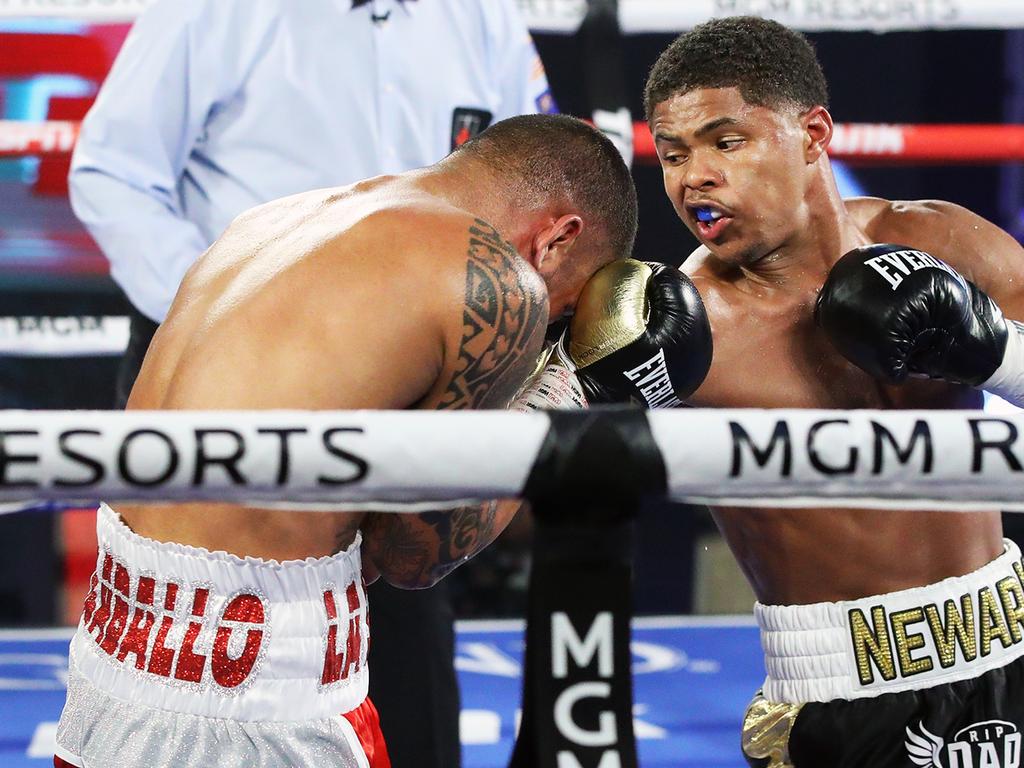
x,y
639,334
897,312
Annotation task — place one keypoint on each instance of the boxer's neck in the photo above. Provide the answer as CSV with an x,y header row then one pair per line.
x,y
477,189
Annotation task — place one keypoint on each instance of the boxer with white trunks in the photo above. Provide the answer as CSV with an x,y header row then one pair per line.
x,y
890,637
223,634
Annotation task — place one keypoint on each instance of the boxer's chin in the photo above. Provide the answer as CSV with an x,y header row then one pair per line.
x,y
738,253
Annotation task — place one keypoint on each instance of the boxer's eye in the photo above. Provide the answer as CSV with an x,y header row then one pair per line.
x,y
727,144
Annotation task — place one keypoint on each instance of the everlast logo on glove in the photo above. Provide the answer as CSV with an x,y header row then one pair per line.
x,y
654,383
894,312
895,265
639,333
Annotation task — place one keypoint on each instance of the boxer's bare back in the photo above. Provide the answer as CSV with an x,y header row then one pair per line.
x,y
341,299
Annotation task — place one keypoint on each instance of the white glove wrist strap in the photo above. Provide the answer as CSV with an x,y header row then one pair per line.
x,y
1008,380
554,387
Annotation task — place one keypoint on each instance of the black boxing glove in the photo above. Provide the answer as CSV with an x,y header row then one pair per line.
x,y
639,333
895,311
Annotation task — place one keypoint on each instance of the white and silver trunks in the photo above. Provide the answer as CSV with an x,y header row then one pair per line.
x,y
190,657
955,629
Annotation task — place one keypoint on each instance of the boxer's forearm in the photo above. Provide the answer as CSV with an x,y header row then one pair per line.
x,y
1008,380
417,551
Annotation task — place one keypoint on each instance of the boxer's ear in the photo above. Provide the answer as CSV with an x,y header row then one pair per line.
x,y
552,243
817,125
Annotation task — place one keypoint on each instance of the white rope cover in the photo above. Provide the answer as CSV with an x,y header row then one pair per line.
x,y
638,16
783,458
82,336
877,459
335,458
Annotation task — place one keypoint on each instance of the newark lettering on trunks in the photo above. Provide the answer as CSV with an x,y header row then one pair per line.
x,y
921,638
991,439
211,451
171,634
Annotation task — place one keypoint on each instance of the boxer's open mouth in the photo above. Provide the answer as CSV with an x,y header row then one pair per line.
x,y
711,220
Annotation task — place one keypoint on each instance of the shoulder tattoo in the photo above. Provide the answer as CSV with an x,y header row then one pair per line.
x,y
503,323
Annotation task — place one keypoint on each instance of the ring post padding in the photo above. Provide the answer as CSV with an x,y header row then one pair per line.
x,y
592,471
601,41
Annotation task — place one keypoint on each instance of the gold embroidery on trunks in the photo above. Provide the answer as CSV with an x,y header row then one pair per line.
x,y
871,646
1014,609
766,729
992,622
909,641
959,629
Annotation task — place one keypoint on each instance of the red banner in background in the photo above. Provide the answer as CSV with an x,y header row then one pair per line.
x,y
23,139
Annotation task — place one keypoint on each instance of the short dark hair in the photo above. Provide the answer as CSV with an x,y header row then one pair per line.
x,y
771,65
558,155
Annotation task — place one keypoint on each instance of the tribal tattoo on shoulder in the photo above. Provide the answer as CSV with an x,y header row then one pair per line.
x,y
503,324
504,318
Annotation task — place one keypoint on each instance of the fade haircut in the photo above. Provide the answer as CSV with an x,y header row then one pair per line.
x,y
771,65
560,157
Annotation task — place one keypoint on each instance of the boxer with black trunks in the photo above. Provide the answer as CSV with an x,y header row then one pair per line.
x,y
222,634
890,637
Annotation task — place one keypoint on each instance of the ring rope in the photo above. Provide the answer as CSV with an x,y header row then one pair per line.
x,y
874,143
646,16
410,461
893,144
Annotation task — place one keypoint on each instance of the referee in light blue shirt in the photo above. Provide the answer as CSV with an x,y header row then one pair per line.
x,y
215,106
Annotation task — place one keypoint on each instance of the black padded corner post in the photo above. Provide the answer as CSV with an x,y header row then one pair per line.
x,y
585,487
604,62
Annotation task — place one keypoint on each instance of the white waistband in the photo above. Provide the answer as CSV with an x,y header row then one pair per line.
x,y
954,629
208,633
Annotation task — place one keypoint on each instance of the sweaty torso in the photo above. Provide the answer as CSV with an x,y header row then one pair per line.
x,y
334,299
769,354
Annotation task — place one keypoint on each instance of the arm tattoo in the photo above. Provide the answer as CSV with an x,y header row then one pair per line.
x,y
399,548
464,532
503,323
417,550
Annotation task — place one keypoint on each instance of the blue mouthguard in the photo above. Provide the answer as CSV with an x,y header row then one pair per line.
x,y
704,214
